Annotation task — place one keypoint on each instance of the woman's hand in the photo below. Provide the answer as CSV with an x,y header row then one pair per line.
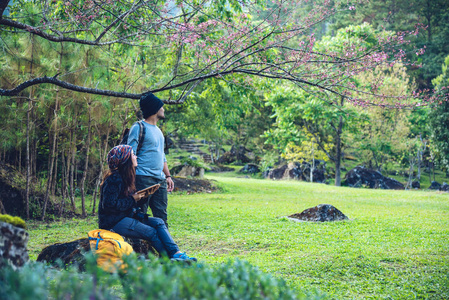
x,y
138,197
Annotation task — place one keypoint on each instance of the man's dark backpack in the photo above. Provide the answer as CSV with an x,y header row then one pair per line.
x,y
125,135
124,141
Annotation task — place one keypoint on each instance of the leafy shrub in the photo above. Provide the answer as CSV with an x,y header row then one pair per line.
x,y
146,279
197,163
268,161
29,283
37,281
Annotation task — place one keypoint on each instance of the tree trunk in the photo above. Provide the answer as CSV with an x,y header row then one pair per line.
x,y
338,162
99,178
430,172
64,174
28,155
338,149
433,167
312,168
20,159
55,172
52,159
419,165
217,151
55,176
33,141
102,156
72,169
2,208
28,165
33,155
421,150
211,150
53,150
410,174
86,165
376,162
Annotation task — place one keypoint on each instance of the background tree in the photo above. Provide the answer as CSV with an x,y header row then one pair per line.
x,y
439,119
382,134
327,115
238,62
222,112
306,151
180,45
405,15
297,110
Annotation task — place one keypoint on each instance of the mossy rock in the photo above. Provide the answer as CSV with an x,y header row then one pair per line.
x,y
16,221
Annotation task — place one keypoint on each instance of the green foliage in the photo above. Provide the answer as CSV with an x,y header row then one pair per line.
x,y
394,245
318,112
197,163
383,135
221,112
146,279
37,281
268,160
439,117
308,150
30,283
383,238
231,280
405,15
351,38
298,113
16,221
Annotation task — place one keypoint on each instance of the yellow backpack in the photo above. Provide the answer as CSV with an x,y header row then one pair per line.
x,y
109,248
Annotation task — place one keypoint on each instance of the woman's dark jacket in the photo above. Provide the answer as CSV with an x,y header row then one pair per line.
x,y
114,205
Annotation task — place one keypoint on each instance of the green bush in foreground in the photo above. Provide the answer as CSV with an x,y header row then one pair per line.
x,y
149,279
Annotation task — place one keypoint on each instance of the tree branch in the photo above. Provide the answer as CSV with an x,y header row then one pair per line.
x,y
119,18
38,32
60,37
66,85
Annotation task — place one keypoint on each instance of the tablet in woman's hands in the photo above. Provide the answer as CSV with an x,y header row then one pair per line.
x,y
149,190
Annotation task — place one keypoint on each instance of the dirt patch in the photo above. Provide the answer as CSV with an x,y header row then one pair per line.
x,y
13,194
194,185
320,213
13,191
221,169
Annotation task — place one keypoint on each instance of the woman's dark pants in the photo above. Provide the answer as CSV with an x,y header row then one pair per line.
x,y
152,230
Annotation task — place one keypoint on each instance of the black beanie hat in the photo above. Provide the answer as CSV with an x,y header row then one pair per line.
x,y
150,104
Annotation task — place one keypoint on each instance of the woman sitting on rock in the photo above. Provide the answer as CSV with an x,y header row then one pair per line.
x,y
118,199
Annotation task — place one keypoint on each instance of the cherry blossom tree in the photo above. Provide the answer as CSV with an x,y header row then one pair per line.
x,y
175,45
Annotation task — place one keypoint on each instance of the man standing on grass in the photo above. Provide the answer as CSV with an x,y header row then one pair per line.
x,y
152,166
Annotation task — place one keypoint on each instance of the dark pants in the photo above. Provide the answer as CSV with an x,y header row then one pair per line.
x,y
158,202
152,230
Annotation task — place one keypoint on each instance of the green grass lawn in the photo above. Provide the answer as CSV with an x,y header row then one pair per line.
x,y
395,245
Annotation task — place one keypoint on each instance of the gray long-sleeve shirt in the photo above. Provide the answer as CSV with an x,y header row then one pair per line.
x,y
151,157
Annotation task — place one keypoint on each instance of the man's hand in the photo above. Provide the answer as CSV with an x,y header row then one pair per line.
x,y
170,184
